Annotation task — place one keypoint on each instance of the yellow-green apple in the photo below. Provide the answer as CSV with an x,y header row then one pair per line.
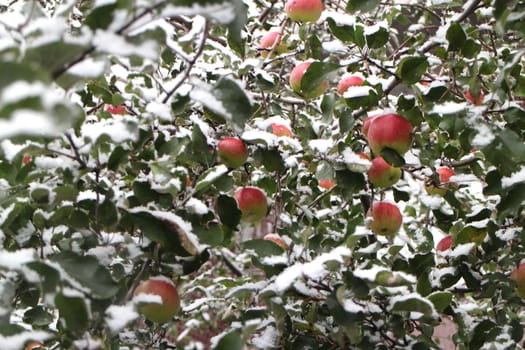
x,y
444,244
366,124
232,152
386,219
444,174
348,81
271,40
381,174
34,346
518,275
304,10
389,131
168,301
327,184
296,77
119,109
275,238
252,203
477,100
281,130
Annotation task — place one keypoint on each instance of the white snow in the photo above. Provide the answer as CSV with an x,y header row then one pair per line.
x,y
515,178
358,91
116,44
19,340
196,206
118,130
449,108
162,110
484,136
222,13
401,298
88,68
118,316
321,145
15,260
29,122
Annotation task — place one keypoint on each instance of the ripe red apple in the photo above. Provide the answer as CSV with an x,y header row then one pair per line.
x,y
381,174
281,130
366,124
327,184
295,81
232,152
348,81
444,244
275,238
27,159
445,173
389,130
518,275
34,345
268,41
120,109
304,10
165,288
252,203
386,219
477,100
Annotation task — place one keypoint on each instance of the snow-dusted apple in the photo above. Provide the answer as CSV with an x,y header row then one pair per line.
x,y
327,184
34,346
275,238
381,174
477,100
389,131
252,203
348,81
118,109
444,174
281,130
232,152
296,77
304,10
518,275
444,244
366,124
271,40
158,299
386,219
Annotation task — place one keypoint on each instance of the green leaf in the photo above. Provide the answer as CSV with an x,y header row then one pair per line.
x,y
378,39
456,37
101,17
411,69
272,160
510,203
228,211
226,98
73,311
38,316
413,304
441,300
262,247
315,75
362,5
118,156
49,276
210,176
231,341
211,234
89,273
392,157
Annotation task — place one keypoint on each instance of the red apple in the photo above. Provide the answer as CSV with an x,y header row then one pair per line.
x,y
304,10
381,174
232,152
34,345
444,244
366,124
268,41
327,184
252,203
445,173
295,81
477,100
386,219
281,130
348,81
27,159
518,275
275,238
389,130
166,290
120,109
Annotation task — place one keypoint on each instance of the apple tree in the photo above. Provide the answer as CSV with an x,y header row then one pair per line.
x,y
364,132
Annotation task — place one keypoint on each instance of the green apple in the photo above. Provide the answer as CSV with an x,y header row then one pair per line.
x,y
389,131
232,152
381,174
252,203
166,290
386,219
304,10
296,77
